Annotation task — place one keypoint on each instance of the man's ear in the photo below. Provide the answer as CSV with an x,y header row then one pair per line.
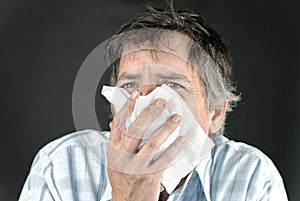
x,y
217,117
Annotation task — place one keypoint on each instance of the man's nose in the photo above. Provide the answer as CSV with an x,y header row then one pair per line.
x,y
146,89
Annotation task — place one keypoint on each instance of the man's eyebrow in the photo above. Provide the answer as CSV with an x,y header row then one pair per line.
x,y
137,75
129,76
171,76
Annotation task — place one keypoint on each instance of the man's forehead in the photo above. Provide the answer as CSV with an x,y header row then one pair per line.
x,y
149,57
156,70
168,41
151,62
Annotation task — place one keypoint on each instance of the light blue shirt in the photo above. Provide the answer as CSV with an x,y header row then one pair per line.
x,y
72,168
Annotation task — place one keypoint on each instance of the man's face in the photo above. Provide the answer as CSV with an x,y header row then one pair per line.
x,y
145,70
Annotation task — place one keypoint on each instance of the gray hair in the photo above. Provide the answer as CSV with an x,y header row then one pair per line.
x,y
207,52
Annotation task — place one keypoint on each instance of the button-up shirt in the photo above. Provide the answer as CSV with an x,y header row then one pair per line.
x,y
73,168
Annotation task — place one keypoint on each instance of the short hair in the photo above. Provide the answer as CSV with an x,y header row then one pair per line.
x,y
216,76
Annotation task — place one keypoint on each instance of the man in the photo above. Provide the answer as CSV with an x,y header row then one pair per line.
x,y
179,54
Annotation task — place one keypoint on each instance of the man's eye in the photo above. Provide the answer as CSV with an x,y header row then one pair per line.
x,y
174,85
128,86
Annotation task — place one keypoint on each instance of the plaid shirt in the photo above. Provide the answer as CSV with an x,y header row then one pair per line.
x,y
73,168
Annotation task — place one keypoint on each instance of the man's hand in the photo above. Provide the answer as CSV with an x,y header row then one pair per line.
x,y
133,173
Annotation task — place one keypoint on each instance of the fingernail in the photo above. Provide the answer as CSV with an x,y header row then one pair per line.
x,y
134,95
160,103
176,118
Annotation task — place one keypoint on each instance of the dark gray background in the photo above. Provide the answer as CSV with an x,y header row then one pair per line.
x,y
43,44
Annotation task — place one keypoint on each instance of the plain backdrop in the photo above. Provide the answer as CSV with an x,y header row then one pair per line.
x,y
43,44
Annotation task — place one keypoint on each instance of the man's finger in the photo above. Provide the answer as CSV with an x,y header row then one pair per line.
x,y
136,130
146,118
169,154
125,112
153,144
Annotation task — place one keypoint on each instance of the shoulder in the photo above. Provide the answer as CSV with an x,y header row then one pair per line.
x,y
240,152
227,146
241,155
239,164
63,162
80,140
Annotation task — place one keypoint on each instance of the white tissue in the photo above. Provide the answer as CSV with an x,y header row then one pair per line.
x,y
197,143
